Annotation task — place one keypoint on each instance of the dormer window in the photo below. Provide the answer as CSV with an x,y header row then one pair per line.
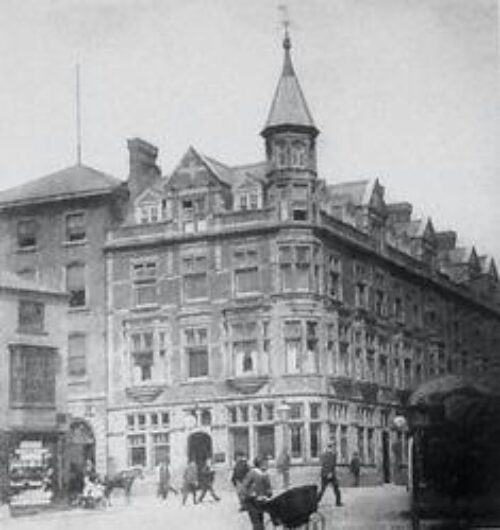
x,y
248,200
194,213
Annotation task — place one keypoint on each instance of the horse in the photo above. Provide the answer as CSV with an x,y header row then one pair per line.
x,y
122,480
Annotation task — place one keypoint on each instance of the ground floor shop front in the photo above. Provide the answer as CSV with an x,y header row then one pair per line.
x,y
303,425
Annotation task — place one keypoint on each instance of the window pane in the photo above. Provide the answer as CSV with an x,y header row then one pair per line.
x,y
265,441
75,227
26,233
31,316
296,440
247,280
76,355
75,284
195,286
315,433
198,362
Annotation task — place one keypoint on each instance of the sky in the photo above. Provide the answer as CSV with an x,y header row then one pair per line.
x,y
402,90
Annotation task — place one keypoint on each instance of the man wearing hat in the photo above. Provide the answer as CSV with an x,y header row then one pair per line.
x,y
328,462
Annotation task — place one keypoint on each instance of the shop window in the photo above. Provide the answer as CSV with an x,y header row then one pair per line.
x,y
296,433
196,351
160,448
344,444
32,376
27,232
315,439
144,275
77,355
136,450
195,279
75,227
240,441
361,443
370,442
31,316
265,441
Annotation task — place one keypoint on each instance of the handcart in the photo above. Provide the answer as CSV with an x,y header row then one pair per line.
x,y
295,508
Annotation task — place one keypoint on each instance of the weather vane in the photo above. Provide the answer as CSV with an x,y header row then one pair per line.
x,y
285,19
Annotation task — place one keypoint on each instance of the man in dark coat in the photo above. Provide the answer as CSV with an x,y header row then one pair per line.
x,y
206,478
328,462
240,471
355,467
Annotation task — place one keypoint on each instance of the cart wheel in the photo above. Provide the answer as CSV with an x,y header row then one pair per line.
x,y
317,521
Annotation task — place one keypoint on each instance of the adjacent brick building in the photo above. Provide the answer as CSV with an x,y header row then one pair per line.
x,y
33,393
238,296
53,231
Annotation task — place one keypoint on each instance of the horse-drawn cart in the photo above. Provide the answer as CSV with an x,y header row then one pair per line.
x,y
295,508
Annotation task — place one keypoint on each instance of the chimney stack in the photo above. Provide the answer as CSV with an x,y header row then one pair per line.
x,y
143,170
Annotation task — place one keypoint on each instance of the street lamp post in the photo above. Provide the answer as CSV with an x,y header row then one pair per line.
x,y
283,464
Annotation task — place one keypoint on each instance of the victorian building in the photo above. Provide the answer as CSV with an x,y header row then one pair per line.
x,y
225,309
258,307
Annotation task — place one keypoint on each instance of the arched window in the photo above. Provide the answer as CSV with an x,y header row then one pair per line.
x,y
299,154
280,154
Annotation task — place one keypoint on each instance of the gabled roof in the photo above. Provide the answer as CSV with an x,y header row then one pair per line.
x,y
13,282
70,182
356,193
416,228
289,106
230,176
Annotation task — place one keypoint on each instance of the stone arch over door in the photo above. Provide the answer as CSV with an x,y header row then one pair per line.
x,y
199,447
80,445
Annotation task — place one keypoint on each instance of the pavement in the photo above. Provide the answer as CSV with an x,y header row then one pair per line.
x,y
370,508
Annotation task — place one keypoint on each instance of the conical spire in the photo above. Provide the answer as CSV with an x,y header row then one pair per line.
x,y
289,106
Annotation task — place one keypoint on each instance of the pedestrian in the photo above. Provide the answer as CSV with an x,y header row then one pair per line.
x,y
256,489
328,463
355,467
240,471
190,481
163,476
206,481
283,466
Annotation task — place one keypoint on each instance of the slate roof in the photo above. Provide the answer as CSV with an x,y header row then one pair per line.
x,y
289,106
69,182
349,192
236,175
11,281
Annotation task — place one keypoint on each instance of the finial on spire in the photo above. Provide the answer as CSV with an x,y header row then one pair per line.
x,y
287,44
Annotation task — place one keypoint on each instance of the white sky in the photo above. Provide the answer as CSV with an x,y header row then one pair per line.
x,y
405,90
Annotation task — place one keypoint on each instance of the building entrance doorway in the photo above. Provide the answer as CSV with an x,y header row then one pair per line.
x,y
81,445
199,447
386,463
